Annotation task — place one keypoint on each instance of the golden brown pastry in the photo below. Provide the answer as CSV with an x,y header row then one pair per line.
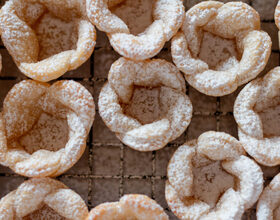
x,y
220,46
126,34
44,128
43,198
211,178
47,38
256,111
144,103
133,206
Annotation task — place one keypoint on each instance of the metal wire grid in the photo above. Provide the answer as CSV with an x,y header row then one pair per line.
x,y
109,169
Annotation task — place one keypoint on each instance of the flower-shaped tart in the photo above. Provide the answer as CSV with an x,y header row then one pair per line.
x,y
132,206
256,111
126,24
220,47
211,178
145,103
47,38
43,128
43,198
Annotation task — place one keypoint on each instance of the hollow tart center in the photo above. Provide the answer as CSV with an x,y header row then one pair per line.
x,y
49,133
145,105
210,180
270,118
137,14
220,54
54,35
44,213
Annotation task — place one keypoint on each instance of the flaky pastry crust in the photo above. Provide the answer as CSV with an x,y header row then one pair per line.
x,y
43,128
236,22
188,165
47,38
268,205
132,206
125,110
43,198
256,111
167,19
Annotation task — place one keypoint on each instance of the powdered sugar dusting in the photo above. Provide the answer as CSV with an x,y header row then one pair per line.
x,y
55,35
142,39
220,54
144,105
137,14
210,182
268,204
226,184
49,133
47,38
46,126
256,111
43,198
130,207
235,52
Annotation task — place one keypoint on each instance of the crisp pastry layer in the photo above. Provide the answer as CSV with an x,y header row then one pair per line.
x,y
268,204
211,178
256,111
47,38
43,198
133,206
137,29
220,46
43,128
145,103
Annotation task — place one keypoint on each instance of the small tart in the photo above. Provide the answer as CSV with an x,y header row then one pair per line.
x,y
137,29
47,38
144,103
211,178
43,128
43,198
256,111
268,207
133,206
220,46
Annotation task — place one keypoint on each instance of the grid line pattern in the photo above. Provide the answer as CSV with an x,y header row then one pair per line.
x,y
109,169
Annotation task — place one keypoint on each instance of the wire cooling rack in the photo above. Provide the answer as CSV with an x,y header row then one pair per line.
x,y
108,169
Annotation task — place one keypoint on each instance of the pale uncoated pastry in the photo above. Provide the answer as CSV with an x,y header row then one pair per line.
x,y
43,198
47,38
43,128
144,103
268,205
131,206
199,188
256,111
234,21
167,18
